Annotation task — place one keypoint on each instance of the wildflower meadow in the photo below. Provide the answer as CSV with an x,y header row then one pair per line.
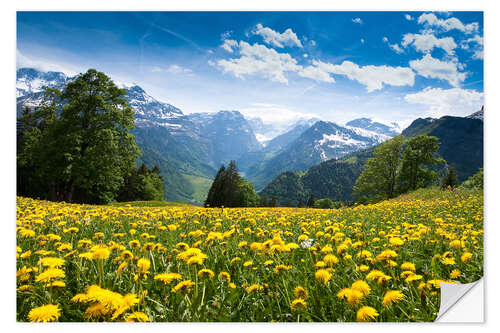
x,y
380,262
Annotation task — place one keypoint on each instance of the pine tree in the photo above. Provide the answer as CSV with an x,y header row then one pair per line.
x,y
215,196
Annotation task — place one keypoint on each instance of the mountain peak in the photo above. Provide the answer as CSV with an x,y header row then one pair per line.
x,y
370,125
478,114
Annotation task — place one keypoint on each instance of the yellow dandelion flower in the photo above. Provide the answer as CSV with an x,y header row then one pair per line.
x,y
59,284
168,277
466,257
455,273
143,265
391,297
361,286
330,259
224,276
414,277
254,287
206,273
52,262
366,313
44,313
50,274
300,292
298,304
323,275
408,266
448,261
138,317
101,253
184,286
248,263
120,269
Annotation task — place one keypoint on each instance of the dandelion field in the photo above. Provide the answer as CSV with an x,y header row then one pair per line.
x,y
381,262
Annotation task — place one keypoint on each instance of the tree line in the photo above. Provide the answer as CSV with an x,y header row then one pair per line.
x,y
76,146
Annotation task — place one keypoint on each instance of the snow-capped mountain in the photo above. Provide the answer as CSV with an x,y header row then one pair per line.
x,y
147,107
31,81
321,142
478,115
368,124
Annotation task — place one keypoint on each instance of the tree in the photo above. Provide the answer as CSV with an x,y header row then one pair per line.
x,y
450,178
229,189
142,184
81,147
245,195
327,203
274,202
419,153
310,202
378,179
215,193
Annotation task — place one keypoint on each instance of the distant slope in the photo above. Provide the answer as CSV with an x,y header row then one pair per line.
x,y
332,179
461,144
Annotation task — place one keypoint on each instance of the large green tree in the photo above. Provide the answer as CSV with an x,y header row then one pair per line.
x,y
229,189
78,145
378,179
418,157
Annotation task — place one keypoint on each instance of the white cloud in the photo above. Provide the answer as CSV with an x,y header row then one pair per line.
x,y
454,101
430,67
280,116
357,20
312,42
317,72
396,48
474,44
449,24
45,65
271,37
408,17
229,44
305,55
173,69
427,42
176,69
362,41
373,77
479,54
259,59
226,34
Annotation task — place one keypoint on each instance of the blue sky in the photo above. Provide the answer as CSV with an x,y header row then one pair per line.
x,y
391,66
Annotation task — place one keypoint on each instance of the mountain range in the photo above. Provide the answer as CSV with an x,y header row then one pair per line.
x,y
461,145
189,148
